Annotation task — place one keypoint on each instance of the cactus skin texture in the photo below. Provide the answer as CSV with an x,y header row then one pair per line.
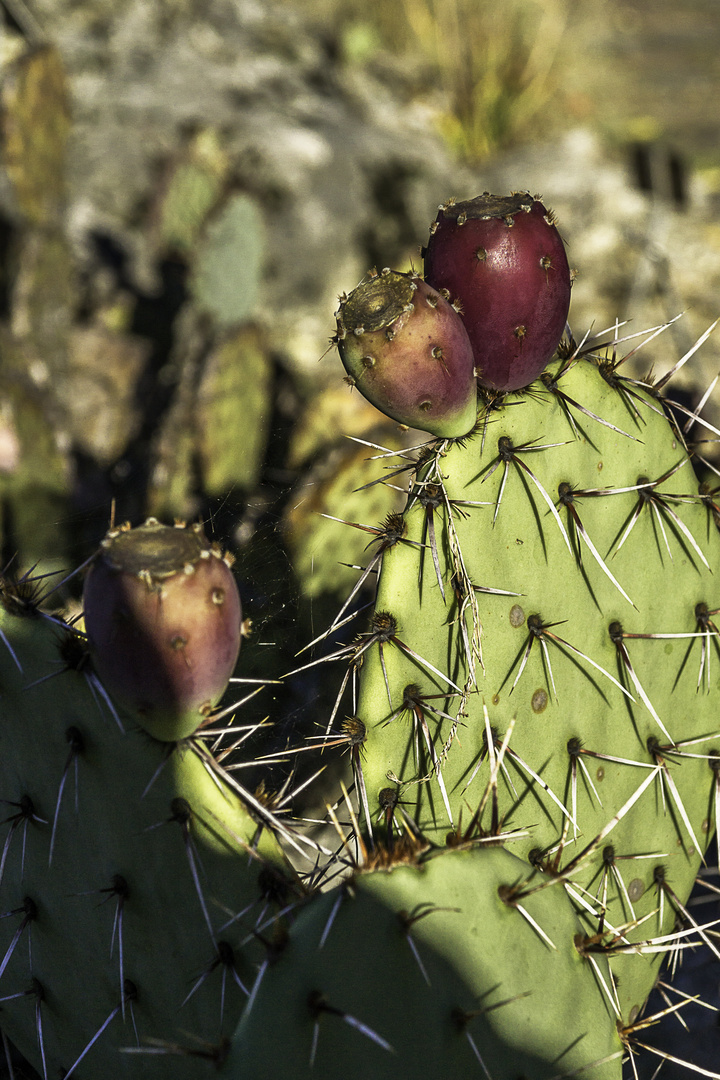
x,y
536,762
405,348
503,259
163,619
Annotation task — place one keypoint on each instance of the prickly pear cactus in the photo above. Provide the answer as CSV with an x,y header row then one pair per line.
x,y
537,670
530,720
536,675
133,871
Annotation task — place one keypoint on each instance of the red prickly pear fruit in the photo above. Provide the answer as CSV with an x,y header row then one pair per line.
x,y
504,260
163,619
406,349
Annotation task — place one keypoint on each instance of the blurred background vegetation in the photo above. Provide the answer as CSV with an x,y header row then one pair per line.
x,y
496,75
491,72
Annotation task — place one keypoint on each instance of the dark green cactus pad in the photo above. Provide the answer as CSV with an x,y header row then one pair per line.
x,y
566,564
124,864
422,969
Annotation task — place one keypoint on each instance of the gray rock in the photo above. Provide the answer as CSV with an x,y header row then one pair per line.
x,y
343,170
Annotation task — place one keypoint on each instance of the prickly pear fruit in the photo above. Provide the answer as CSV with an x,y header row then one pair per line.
x,y
405,348
505,261
163,619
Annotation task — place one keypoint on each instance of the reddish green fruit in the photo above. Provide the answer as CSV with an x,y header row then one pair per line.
x,y
505,261
163,619
406,349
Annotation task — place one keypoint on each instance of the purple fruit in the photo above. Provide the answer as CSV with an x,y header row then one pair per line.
x,y
505,262
163,619
406,349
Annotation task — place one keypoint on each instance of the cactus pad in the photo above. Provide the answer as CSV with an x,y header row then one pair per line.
x,y
550,608
424,968
126,864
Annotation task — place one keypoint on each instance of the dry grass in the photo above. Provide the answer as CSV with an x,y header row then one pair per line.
x,y
495,69
498,64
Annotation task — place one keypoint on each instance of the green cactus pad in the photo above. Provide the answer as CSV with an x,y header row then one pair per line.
x,y
228,271
232,412
560,597
325,551
193,187
36,125
117,845
423,970
36,473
